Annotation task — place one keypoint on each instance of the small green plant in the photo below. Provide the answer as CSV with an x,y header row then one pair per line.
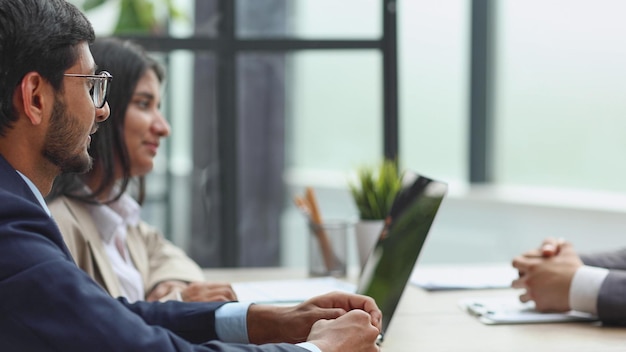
x,y
375,189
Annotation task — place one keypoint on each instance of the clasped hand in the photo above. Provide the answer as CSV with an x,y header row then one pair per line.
x,y
546,273
335,321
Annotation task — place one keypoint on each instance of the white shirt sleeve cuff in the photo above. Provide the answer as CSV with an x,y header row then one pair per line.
x,y
585,288
231,322
309,346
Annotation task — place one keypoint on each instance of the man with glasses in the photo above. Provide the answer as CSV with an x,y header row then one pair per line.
x,y
52,98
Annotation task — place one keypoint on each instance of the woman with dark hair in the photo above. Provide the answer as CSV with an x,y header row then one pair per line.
x,y
99,221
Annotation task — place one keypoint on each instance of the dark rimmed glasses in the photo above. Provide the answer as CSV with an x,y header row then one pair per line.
x,y
99,86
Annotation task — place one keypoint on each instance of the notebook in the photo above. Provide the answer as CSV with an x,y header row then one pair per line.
x,y
390,263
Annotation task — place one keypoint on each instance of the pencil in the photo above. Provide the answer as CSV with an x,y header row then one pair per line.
x,y
316,223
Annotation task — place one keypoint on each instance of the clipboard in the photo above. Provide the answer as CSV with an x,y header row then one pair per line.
x,y
509,310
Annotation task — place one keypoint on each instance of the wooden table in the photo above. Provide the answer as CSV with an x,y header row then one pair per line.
x,y
432,322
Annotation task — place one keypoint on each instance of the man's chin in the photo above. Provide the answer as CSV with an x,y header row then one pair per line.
x,y
78,165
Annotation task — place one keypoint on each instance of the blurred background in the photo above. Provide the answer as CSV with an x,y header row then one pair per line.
x,y
518,105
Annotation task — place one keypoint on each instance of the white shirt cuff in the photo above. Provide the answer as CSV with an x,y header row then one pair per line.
x,y
309,346
585,288
231,323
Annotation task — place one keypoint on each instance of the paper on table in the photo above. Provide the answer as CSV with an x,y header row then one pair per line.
x,y
473,276
288,291
509,310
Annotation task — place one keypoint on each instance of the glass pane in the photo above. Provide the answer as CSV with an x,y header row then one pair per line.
x,y
433,84
333,126
560,84
304,19
334,113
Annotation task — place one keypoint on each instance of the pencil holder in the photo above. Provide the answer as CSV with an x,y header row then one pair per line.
x,y
328,249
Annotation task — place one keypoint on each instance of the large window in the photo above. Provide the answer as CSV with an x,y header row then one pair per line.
x,y
268,96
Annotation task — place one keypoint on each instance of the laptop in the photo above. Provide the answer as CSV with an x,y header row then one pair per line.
x,y
390,263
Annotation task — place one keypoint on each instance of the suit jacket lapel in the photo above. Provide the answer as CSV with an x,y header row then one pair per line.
x,y
96,247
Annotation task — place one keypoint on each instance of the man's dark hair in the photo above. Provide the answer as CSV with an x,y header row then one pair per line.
x,y
37,36
127,62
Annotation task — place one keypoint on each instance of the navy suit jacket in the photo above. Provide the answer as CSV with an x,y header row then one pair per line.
x,y
48,304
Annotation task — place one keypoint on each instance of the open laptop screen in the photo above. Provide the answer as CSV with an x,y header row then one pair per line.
x,y
391,262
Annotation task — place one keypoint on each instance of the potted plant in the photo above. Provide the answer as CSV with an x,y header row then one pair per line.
x,y
373,192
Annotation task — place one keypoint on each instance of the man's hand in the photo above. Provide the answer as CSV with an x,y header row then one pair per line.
x,y
293,324
352,331
547,274
193,292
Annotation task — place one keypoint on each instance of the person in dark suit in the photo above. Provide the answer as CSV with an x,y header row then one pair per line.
x,y
51,101
558,279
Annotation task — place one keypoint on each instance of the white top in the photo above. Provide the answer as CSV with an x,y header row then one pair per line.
x,y
112,221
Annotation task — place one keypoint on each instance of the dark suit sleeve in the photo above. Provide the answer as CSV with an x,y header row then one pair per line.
x,y
612,296
48,304
609,260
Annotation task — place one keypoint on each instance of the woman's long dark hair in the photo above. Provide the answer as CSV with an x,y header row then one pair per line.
x,y
127,63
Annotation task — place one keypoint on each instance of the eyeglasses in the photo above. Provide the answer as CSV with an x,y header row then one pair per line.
x,y
99,86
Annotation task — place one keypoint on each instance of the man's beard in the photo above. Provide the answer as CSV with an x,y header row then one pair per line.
x,y
60,140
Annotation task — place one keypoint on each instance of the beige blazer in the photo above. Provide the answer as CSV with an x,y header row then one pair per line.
x,y
155,258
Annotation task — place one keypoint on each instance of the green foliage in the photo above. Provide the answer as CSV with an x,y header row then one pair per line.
x,y
376,189
137,16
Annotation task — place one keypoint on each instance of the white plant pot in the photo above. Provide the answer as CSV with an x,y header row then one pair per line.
x,y
366,234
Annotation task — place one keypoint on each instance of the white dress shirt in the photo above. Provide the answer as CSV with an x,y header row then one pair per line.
x,y
112,221
585,288
35,191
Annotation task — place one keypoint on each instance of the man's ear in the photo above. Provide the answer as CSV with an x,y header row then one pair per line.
x,y
35,92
